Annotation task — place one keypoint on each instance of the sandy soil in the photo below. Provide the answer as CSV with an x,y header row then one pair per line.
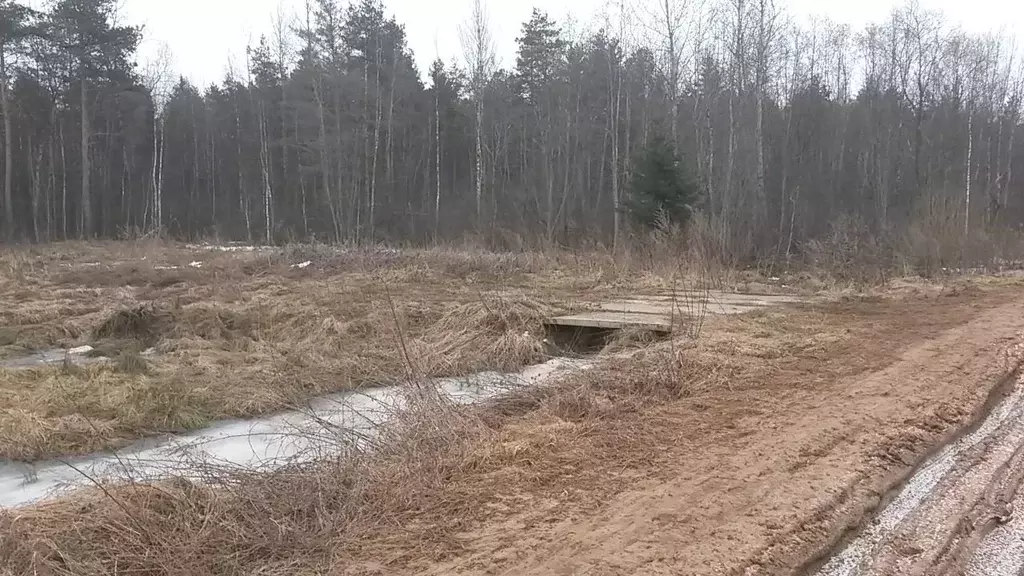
x,y
767,476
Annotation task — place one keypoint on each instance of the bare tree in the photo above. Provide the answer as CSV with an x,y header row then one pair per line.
x,y
479,53
158,77
765,29
671,23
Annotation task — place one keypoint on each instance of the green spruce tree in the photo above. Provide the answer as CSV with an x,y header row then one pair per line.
x,y
661,189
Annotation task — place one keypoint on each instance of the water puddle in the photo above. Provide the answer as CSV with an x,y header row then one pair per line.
x,y
258,444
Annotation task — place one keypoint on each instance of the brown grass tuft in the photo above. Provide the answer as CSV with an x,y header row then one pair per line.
x,y
144,324
503,333
131,362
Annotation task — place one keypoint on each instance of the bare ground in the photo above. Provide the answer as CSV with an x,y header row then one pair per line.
x,y
754,451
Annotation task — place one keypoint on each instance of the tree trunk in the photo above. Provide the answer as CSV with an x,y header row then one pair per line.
x,y
967,172
87,229
194,206
762,201
325,165
268,189
785,183
64,184
1009,168
616,202
160,177
34,162
437,163
730,166
154,216
479,156
5,109
376,153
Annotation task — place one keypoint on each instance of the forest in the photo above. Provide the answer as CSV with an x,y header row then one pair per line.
x,y
901,133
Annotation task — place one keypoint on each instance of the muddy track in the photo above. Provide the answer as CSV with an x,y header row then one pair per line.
x,y
956,514
771,474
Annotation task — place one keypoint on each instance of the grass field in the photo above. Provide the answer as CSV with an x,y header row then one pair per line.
x,y
238,333
194,335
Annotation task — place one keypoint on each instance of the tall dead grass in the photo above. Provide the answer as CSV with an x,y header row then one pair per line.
x,y
216,359
500,333
239,333
399,498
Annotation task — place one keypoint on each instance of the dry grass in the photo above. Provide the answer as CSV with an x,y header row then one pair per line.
x,y
242,333
434,473
426,478
438,471
218,361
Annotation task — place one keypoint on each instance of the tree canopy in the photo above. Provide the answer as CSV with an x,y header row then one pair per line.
x,y
332,133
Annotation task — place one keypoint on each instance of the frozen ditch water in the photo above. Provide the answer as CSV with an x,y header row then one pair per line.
x,y
260,443
51,357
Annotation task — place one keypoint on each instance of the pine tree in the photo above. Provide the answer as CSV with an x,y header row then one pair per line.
x,y
660,187
101,52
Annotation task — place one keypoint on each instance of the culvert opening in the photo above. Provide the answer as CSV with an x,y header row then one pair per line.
x,y
583,341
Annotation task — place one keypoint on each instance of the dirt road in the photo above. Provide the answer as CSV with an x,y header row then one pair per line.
x,y
770,476
956,514
961,512
878,436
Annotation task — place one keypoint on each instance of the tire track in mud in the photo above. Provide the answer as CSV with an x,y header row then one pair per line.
x,y
1001,548
955,515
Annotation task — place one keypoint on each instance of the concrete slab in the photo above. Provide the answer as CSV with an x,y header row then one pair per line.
x,y
615,321
656,312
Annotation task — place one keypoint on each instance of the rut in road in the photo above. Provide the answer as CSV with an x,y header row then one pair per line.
x,y
955,515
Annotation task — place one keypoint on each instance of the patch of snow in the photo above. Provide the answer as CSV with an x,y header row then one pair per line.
x,y
196,264
227,247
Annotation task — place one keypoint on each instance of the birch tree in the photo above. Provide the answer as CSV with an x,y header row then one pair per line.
x,y
478,51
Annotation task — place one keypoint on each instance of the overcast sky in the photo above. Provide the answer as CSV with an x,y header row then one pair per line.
x,y
204,36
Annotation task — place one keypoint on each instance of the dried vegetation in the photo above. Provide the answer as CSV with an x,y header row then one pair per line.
x,y
196,335
435,473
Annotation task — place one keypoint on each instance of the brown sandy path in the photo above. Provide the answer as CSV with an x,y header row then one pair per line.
x,y
765,476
